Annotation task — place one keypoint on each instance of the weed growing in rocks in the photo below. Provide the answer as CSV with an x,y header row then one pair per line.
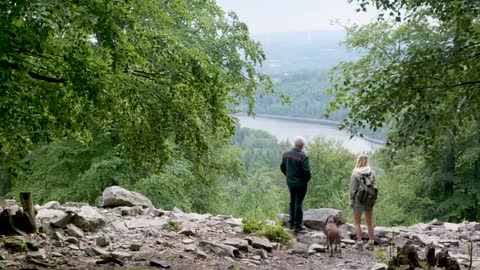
x,y
172,225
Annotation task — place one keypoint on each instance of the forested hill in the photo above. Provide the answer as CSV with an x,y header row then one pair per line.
x,y
298,63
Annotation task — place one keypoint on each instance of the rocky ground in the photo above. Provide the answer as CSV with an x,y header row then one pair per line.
x,y
138,236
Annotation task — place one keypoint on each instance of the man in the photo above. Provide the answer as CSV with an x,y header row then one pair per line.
x,y
296,168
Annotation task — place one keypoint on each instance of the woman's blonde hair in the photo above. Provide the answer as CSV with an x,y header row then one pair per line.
x,y
362,161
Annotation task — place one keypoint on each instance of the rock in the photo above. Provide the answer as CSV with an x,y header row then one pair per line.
x,y
449,242
238,243
131,211
311,238
118,226
88,219
75,204
142,222
423,239
135,247
451,226
62,220
401,241
74,231
74,247
436,222
95,251
56,254
120,255
60,236
39,255
15,244
161,264
188,241
103,240
201,254
348,241
234,222
315,218
476,227
261,242
384,231
176,210
188,230
300,248
72,240
117,196
262,253
318,248
220,249
51,205
49,214
190,247
379,266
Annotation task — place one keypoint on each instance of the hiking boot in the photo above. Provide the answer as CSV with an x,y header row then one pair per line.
x,y
358,246
370,245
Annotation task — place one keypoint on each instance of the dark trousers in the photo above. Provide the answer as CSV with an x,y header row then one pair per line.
x,y
297,194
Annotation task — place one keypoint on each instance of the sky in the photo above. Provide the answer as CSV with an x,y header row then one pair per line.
x,y
265,16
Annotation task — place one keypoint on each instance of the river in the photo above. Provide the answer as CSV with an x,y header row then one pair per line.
x,y
285,129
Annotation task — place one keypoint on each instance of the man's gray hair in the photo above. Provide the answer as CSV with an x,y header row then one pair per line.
x,y
299,141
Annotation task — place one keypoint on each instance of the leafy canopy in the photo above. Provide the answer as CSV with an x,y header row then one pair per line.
x,y
155,74
420,76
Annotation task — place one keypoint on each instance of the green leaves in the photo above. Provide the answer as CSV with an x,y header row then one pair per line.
x,y
412,73
161,74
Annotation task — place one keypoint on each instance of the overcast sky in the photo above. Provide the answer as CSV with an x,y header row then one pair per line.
x,y
264,16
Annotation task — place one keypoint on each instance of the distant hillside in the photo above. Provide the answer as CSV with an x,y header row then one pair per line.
x,y
290,52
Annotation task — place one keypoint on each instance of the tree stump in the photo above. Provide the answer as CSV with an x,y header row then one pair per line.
x,y
28,210
15,221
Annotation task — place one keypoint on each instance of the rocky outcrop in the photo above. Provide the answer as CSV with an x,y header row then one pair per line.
x,y
134,236
315,218
116,196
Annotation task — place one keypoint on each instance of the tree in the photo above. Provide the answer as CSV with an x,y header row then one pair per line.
x,y
156,75
417,77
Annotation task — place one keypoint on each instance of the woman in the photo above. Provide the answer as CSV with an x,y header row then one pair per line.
x,y
363,181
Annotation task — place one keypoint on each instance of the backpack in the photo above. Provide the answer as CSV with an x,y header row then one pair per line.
x,y
367,192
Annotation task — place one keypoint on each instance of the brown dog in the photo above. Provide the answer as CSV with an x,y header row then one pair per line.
x,y
333,236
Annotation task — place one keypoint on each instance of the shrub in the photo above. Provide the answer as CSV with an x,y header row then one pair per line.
x,y
276,233
252,225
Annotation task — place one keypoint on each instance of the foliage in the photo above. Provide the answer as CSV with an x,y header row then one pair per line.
x,y
419,76
160,75
172,225
381,255
69,171
260,149
276,233
331,166
252,225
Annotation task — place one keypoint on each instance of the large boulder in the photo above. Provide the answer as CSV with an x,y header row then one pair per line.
x,y
315,218
116,196
88,219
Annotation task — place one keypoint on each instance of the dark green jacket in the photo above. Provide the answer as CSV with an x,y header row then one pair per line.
x,y
295,167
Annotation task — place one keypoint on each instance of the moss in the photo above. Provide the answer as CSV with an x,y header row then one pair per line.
x,y
15,244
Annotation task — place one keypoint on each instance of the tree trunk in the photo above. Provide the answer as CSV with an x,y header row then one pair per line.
x,y
28,209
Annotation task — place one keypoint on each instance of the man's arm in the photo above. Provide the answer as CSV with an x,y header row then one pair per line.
x,y
283,167
306,170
